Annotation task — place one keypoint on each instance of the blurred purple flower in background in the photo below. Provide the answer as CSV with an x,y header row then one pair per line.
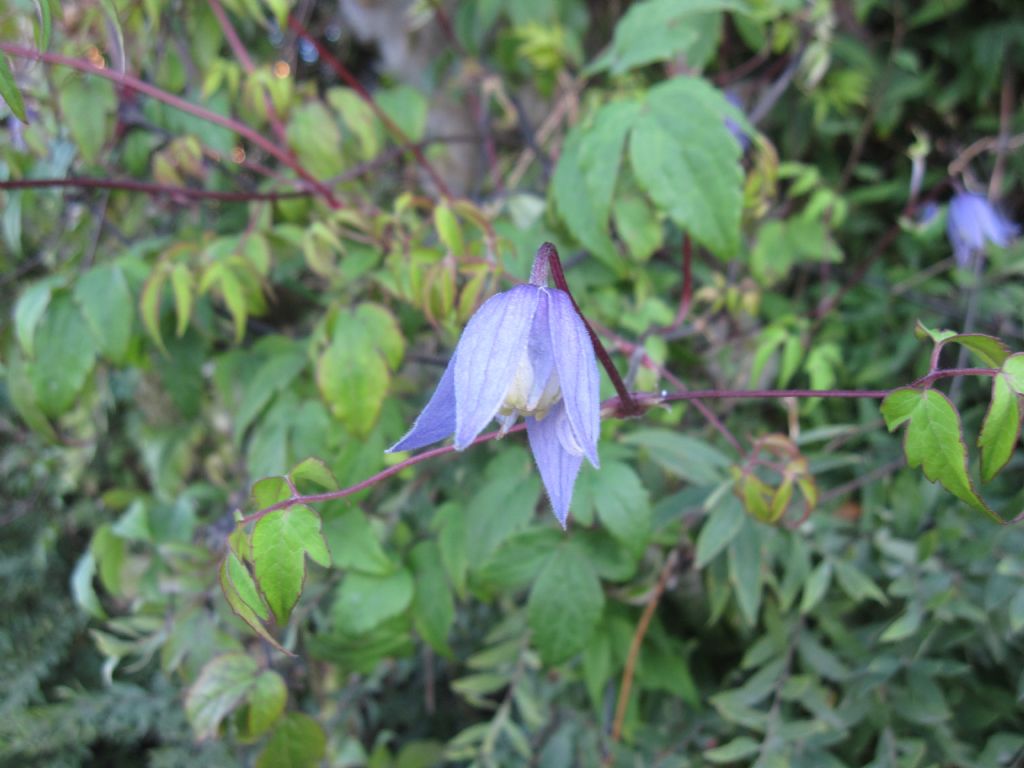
x,y
973,220
524,353
733,127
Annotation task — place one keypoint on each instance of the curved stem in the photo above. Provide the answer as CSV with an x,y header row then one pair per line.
x,y
151,188
615,407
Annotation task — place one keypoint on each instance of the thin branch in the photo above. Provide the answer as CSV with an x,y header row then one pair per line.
x,y
133,83
151,188
353,82
242,54
626,686
617,407
558,275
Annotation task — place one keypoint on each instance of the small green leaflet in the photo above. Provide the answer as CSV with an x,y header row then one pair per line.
x,y
565,604
223,685
9,90
934,440
1001,428
281,541
297,742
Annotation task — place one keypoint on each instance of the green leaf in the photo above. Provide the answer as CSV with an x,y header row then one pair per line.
x,y
29,310
44,29
581,212
281,541
314,137
784,243
518,560
219,690
448,230
934,440
354,545
623,505
658,30
857,584
638,226
406,107
9,90
247,604
565,605
745,571
689,458
184,296
149,305
1013,370
816,587
689,163
314,471
65,356
1001,428
724,522
267,699
274,375
734,751
359,117
990,350
365,601
103,296
23,394
90,100
433,607
503,506
353,372
297,742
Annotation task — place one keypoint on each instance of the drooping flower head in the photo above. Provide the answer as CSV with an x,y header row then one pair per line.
x,y
973,220
526,353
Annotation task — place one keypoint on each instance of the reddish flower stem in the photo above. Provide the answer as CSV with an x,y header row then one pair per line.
x,y
616,408
133,83
558,275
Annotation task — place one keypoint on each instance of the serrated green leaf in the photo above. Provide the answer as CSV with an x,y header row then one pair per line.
x,y
281,541
638,226
219,690
687,161
9,90
816,586
433,607
233,588
23,395
658,30
314,137
363,601
934,441
315,471
904,626
298,741
518,560
65,354
580,212
990,350
406,107
1000,429
565,605
267,698
1013,370
723,523
857,584
106,303
354,545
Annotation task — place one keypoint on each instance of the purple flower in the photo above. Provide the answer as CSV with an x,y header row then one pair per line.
x,y
972,221
524,353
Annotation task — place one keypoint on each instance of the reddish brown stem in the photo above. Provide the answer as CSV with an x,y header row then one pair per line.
x,y
550,254
150,188
134,84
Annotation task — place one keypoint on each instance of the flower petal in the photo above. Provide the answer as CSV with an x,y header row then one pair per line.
x,y
558,468
437,420
487,356
542,358
577,372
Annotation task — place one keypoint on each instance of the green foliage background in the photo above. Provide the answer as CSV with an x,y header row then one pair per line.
x,y
172,359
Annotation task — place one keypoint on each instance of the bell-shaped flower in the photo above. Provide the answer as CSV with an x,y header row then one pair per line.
x,y
527,353
972,221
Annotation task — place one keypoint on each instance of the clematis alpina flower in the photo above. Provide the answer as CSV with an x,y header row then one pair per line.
x,y
526,353
972,221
